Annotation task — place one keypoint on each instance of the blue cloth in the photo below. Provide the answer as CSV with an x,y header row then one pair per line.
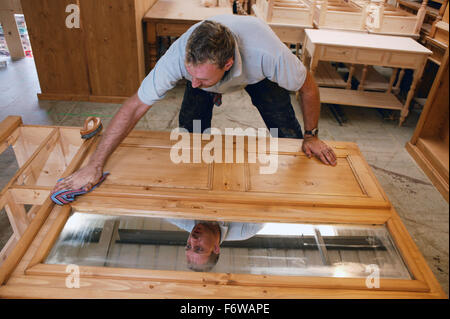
x,y
66,196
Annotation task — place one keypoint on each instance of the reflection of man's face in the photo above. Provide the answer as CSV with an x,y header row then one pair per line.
x,y
202,241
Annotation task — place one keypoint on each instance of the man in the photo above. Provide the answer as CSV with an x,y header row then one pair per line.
x,y
203,244
219,55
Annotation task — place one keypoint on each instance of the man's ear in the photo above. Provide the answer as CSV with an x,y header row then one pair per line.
x,y
229,64
216,249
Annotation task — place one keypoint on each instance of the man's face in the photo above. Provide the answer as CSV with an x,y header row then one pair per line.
x,y
207,74
202,241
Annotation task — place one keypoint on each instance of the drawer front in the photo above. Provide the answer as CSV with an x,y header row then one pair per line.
x,y
340,54
171,29
404,60
364,56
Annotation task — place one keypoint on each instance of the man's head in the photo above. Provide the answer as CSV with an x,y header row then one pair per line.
x,y
203,246
209,53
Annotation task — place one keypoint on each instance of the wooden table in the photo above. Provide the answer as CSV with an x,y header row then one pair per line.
x,y
366,49
172,18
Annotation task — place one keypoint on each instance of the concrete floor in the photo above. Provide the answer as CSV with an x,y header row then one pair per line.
x,y
421,207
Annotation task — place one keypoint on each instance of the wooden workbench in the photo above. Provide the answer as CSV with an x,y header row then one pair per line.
x,y
171,18
365,49
145,182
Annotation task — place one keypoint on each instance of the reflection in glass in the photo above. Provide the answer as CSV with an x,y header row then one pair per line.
x,y
258,248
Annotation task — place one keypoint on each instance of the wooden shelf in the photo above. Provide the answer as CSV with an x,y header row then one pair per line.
x,y
327,76
360,98
429,145
374,80
416,5
437,153
428,165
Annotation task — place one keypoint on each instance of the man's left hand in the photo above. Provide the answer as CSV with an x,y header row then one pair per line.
x,y
314,146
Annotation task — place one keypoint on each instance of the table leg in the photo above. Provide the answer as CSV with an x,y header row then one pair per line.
x,y
313,65
412,90
399,81
392,79
350,76
152,44
363,78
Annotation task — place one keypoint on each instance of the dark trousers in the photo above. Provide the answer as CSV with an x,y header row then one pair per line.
x,y
272,101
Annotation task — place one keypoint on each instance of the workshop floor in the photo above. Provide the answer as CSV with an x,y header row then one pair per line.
x,y
421,207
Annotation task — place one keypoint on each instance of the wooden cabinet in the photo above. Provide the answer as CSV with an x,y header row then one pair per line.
x,y
148,180
429,144
102,60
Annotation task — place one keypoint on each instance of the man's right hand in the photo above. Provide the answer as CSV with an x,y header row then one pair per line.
x,y
86,178
119,127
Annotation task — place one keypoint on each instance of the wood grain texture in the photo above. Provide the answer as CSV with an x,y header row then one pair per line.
x,y
59,52
101,61
236,193
429,143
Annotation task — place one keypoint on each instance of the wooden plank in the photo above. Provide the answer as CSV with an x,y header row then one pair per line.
x,y
359,98
30,233
181,10
39,153
63,46
51,236
229,279
140,8
162,178
29,196
32,287
8,126
437,153
32,171
374,81
429,143
6,250
327,76
228,211
152,167
441,184
17,216
21,247
111,23
11,34
366,41
12,5
299,175
411,254
172,29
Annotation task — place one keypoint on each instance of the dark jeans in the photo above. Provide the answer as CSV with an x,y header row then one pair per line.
x,y
272,101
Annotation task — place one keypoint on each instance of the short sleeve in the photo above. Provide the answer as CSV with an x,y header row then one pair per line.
x,y
185,224
164,76
285,69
